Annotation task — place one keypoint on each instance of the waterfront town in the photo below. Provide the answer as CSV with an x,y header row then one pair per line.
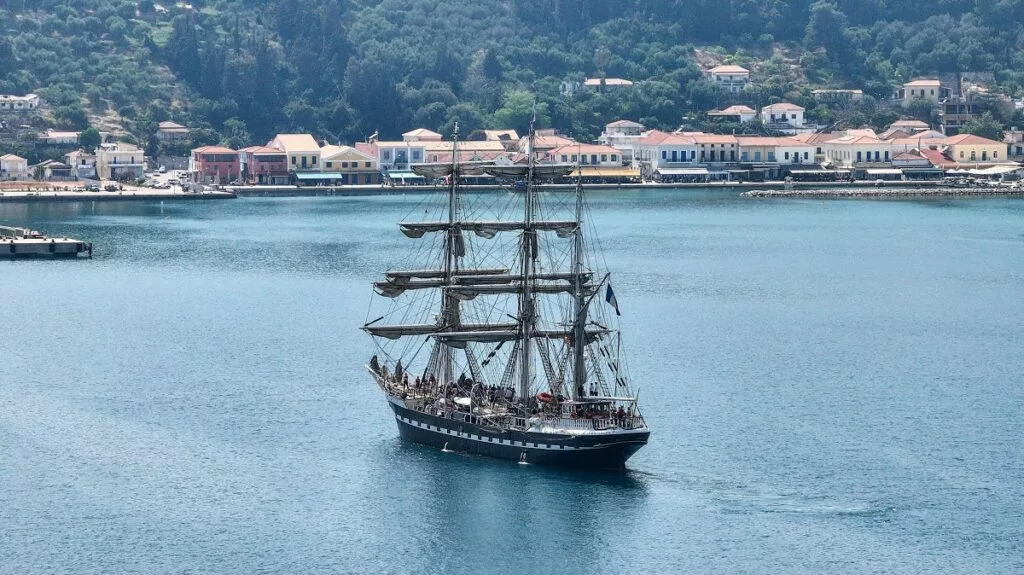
x,y
627,152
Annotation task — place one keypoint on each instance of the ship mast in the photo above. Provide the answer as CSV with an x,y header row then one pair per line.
x,y
529,249
449,304
579,370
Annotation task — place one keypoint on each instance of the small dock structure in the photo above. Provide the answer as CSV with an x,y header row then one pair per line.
x,y
27,243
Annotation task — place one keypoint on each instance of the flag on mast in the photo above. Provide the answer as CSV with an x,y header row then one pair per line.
x,y
609,296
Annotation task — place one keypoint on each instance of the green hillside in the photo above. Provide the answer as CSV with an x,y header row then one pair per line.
x,y
342,69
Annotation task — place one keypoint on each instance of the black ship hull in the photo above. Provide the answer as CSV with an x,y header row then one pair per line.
x,y
585,451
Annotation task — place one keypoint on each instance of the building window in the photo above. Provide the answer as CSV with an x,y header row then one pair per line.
x,y
313,160
593,158
329,164
386,155
565,158
805,155
787,155
995,155
615,158
293,160
343,165
664,154
961,154
367,164
743,156
757,156
604,157
771,156
793,116
416,155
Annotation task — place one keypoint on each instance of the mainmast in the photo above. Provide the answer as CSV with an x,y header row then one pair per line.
x,y
529,249
579,370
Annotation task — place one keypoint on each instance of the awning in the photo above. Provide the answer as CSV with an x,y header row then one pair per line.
x,y
610,172
995,170
885,172
318,176
403,175
683,171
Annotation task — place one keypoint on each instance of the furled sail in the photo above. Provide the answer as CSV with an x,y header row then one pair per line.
x,y
563,228
470,292
397,331
398,275
459,339
540,171
442,170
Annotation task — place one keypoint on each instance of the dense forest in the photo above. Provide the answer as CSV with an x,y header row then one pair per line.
x,y
238,71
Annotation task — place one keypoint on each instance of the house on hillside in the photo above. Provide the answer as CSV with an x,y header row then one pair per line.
x,y
57,138
214,165
782,117
602,84
927,89
837,96
728,77
171,132
904,129
738,113
26,103
301,150
260,165
13,167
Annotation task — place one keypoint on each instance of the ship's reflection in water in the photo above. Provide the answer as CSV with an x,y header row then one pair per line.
x,y
500,513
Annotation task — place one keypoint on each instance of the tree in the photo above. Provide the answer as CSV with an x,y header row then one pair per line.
x,y
921,109
90,138
985,126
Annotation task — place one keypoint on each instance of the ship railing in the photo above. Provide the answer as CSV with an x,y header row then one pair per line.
x,y
600,424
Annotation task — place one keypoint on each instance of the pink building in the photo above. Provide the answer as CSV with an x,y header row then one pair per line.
x,y
214,165
263,165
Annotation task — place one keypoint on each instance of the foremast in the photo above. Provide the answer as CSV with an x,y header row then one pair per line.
x,y
450,318
528,253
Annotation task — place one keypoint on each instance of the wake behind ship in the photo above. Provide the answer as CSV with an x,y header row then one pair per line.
x,y
495,339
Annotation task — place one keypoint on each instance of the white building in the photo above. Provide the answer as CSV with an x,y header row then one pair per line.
x,y
83,164
10,103
119,161
779,151
55,138
13,167
731,78
853,150
782,114
929,89
739,113
657,149
622,135
587,155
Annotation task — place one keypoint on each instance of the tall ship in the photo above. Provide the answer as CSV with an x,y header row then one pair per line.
x,y
499,335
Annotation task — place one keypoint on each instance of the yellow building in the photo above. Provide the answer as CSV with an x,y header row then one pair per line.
x,y
348,165
301,149
968,148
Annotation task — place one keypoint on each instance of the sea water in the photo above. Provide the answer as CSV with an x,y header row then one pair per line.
x,y
832,386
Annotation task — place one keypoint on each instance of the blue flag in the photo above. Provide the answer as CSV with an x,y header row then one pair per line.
x,y
609,296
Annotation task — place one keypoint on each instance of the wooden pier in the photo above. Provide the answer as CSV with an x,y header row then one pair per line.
x,y
26,243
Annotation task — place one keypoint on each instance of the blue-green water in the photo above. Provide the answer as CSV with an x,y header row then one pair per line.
x,y
834,387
